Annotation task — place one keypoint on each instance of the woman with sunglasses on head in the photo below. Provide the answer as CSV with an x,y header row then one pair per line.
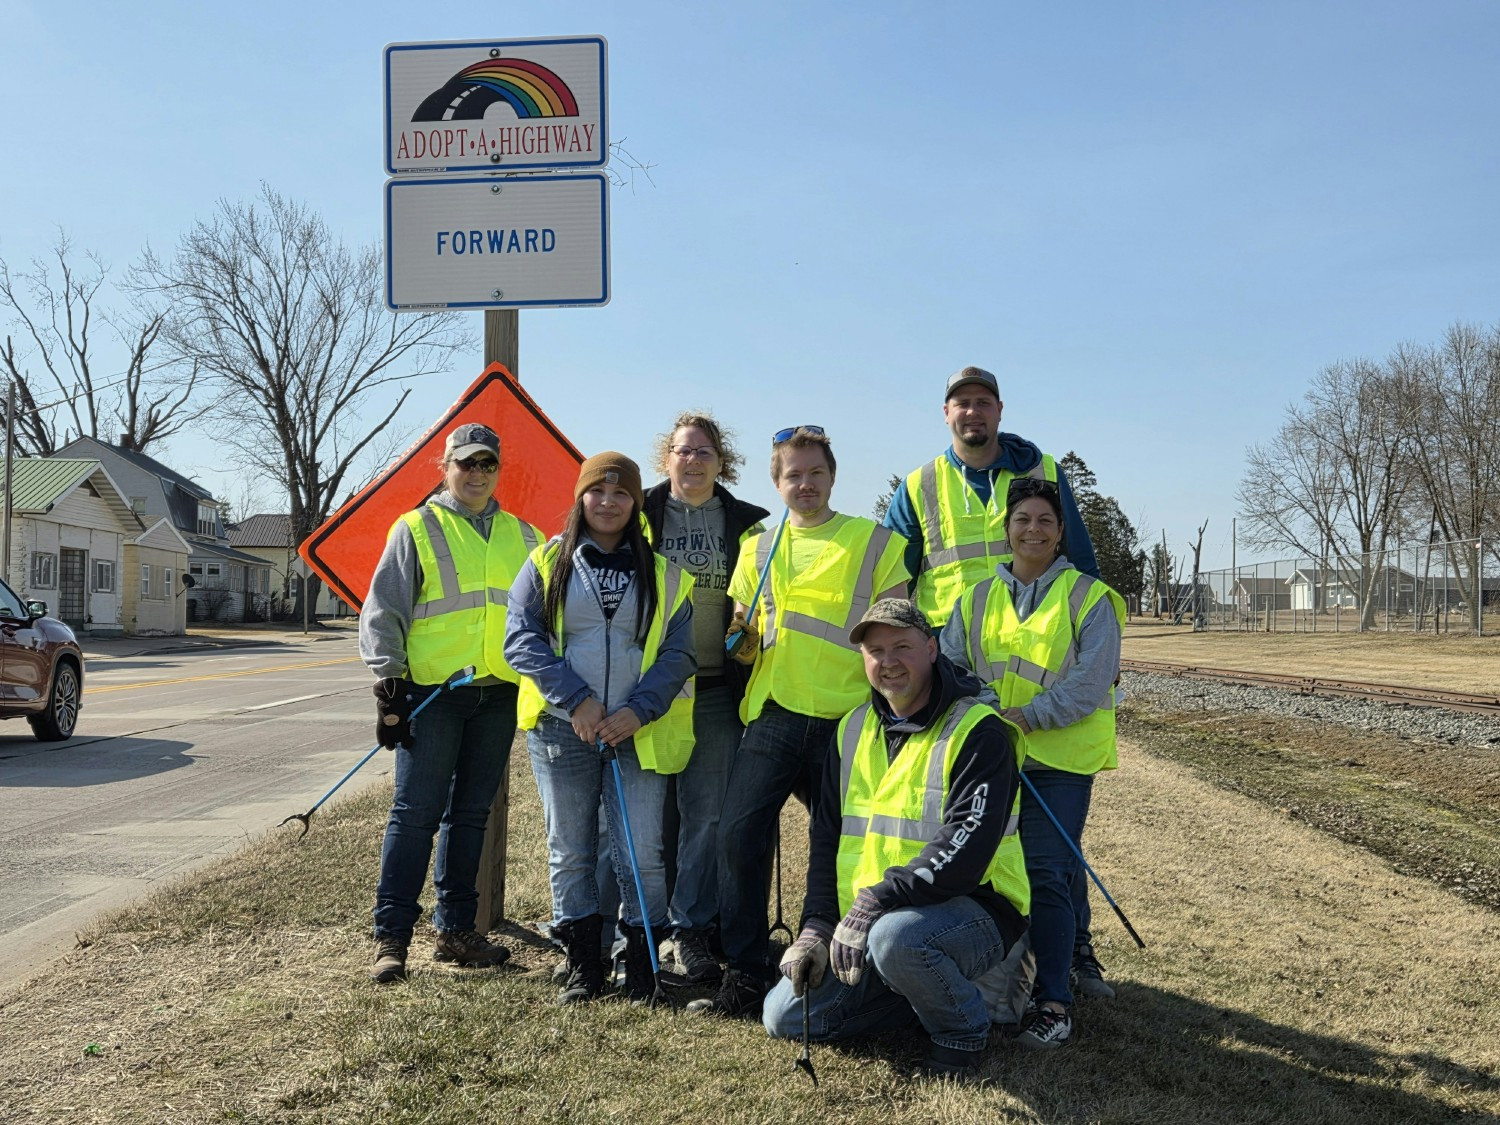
x,y
1046,638
431,611
601,630
698,524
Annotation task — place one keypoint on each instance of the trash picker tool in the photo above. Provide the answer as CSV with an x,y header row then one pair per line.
x,y
458,679
1120,914
780,921
660,975
804,1060
732,643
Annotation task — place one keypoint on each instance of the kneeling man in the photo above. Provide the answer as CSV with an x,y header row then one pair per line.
x,y
916,885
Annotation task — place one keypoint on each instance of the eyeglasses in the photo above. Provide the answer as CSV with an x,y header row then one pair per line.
x,y
786,435
1027,487
469,464
701,452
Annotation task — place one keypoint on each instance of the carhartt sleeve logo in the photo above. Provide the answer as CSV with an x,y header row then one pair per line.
x,y
529,88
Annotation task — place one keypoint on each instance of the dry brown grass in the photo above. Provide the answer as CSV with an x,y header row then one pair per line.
x,y
1453,662
1289,978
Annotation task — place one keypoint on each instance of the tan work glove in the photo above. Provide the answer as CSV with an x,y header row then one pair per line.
x,y
742,640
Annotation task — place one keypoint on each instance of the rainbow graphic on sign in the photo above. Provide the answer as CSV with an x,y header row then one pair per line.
x,y
529,88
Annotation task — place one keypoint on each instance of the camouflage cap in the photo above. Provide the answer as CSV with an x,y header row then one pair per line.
x,y
898,612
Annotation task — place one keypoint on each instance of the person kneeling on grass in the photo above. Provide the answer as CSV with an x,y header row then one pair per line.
x,y
916,885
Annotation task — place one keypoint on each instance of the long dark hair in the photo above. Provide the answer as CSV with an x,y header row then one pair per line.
x,y
555,596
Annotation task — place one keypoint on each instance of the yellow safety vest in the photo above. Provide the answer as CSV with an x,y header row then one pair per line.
x,y
1022,659
663,746
892,810
806,663
459,615
963,540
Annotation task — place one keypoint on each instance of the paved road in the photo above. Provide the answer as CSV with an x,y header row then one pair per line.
x,y
179,757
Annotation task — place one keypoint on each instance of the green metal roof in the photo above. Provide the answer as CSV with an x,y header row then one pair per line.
x,y
37,483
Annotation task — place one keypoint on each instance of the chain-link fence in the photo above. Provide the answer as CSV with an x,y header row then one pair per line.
x,y
1444,588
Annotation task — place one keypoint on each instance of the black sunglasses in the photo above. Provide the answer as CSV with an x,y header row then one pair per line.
x,y
1027,487
786,435
484,466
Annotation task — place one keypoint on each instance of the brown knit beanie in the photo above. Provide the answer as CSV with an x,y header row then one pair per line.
x,y
610,468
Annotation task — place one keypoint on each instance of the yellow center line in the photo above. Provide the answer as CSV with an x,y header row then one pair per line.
x,y
91,690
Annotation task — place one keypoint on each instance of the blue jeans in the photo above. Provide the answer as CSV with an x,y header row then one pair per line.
x,y
445,785
923,960
780,751
572,779
1053,869
699,793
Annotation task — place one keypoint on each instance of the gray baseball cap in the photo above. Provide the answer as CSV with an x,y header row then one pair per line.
x,y
899,612
972,375
469,439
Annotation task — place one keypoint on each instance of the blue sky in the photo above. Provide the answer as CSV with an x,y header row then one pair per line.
x,y
1153,222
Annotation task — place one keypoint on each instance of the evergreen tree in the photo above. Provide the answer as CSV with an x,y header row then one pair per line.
x,y
1122,563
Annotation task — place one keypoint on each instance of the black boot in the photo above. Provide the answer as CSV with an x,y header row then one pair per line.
x,y
640,981
585,971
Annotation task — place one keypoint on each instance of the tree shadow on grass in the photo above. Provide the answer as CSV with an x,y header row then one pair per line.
x,y
1154,1055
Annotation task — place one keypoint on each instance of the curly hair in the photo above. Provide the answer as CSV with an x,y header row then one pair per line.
x,y
730,459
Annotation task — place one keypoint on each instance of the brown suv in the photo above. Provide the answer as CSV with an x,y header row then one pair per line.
x,y
41,668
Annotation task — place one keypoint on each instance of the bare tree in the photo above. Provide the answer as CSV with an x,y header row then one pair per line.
x,y
1335,477
1454,389
63,386
287,321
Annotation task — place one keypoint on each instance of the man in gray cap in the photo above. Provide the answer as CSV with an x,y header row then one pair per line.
x,y
916,885
951,511
437,604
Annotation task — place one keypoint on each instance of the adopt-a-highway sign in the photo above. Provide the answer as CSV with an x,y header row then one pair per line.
x,y
480,242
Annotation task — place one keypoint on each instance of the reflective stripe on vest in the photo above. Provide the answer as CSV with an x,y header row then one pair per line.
x,y
872,840
1085,746
957,549
860,597
452,626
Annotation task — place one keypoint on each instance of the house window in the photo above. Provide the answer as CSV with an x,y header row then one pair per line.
x,y
44,571
145,580
104,576
138,505
166,581
211,570
208,519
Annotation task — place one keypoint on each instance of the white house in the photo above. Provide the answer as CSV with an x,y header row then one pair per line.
x,y
69,526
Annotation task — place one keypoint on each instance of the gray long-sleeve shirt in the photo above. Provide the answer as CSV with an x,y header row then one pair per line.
x,y
1086,686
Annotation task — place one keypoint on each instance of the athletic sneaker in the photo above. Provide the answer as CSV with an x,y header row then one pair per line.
x,y
1087,976
1044,1030
695,960
739,995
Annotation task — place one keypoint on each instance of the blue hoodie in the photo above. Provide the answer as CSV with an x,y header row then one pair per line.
x,y
1018,456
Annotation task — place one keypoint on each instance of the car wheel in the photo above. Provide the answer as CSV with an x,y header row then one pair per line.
x,y
56,723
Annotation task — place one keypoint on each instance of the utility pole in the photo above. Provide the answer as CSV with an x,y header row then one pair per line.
x,y
10,454
501,345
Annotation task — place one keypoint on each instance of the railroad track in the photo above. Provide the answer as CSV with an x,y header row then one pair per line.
x,y
1322,685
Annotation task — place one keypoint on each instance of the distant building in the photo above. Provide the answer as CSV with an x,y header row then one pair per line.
x,y
269,536
228,585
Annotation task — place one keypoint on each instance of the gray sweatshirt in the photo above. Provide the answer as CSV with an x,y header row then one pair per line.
x,y
1086,686
693,538
385,618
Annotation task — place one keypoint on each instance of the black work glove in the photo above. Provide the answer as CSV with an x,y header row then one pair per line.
x,y
393,704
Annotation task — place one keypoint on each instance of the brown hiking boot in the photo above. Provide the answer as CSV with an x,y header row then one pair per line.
x,y
390,961
465,947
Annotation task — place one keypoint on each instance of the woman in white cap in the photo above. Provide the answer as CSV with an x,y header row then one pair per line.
x,y
601,629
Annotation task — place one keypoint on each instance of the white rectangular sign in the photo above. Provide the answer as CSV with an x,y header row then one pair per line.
x,y
496,105
479,242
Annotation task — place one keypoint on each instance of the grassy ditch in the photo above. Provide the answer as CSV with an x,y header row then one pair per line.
x,y
1288,977
1429,809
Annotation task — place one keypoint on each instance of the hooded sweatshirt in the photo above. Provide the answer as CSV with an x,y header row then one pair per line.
x,y
984,768
1016,455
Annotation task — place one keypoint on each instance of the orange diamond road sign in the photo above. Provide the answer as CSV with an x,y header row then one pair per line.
x,y
538,468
